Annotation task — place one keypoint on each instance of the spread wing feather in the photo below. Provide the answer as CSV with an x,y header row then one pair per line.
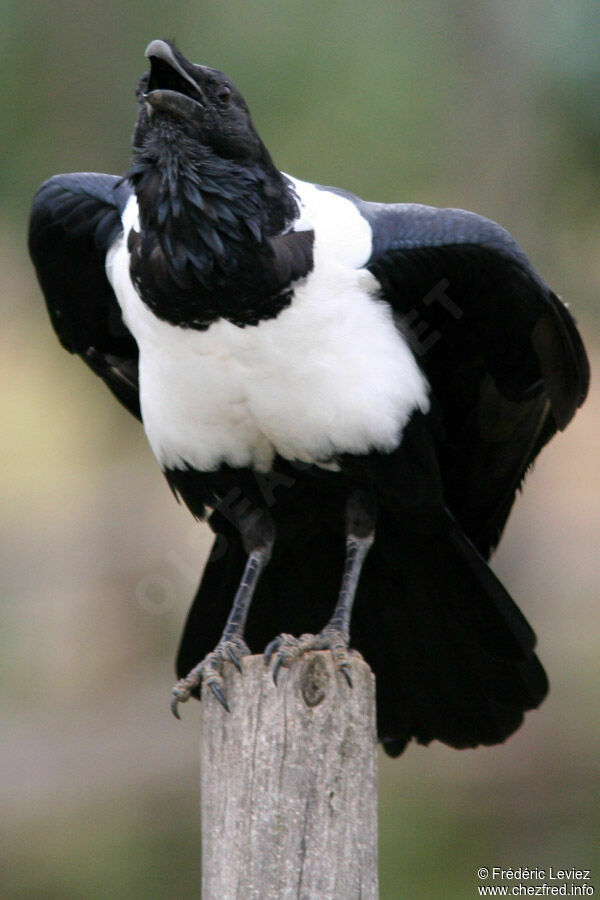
x,y
502,353
74,221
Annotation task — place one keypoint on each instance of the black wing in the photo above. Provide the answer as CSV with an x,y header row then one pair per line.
x,y
502,353
74,221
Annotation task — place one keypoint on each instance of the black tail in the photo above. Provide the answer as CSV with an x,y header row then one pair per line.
x,y
452,654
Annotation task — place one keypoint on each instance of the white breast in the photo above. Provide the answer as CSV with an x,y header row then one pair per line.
x,y
330,374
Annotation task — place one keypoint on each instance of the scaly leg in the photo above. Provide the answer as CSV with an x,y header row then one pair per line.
x,y
360,534
258,540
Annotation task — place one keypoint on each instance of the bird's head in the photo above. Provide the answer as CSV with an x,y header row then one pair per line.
x,y
177,97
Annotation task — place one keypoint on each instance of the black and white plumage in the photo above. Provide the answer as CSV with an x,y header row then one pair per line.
x,y
339,385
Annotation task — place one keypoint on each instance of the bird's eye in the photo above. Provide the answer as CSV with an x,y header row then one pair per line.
x,y
223,94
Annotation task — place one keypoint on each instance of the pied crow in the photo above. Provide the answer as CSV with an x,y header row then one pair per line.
x,y
350,392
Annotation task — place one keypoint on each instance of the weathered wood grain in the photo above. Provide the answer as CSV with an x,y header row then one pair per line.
x,y
289,784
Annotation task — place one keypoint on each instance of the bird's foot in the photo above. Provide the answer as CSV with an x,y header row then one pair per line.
x,y
209,672
287,649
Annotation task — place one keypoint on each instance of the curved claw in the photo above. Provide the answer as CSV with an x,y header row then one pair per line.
x,y
276,669
218,694
175,706
270,650
233,657
345,670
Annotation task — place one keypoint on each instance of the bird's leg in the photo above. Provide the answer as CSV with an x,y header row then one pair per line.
x,y
360,534
258,536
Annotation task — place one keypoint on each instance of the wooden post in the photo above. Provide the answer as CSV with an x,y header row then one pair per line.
x,y
289,784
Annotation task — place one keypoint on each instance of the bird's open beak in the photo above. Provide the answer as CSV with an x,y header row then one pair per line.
x,y
170,87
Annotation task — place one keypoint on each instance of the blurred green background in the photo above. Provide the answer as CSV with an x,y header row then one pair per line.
x,y
491,105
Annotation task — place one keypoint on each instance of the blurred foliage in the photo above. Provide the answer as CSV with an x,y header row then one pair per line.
x,y
485,104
